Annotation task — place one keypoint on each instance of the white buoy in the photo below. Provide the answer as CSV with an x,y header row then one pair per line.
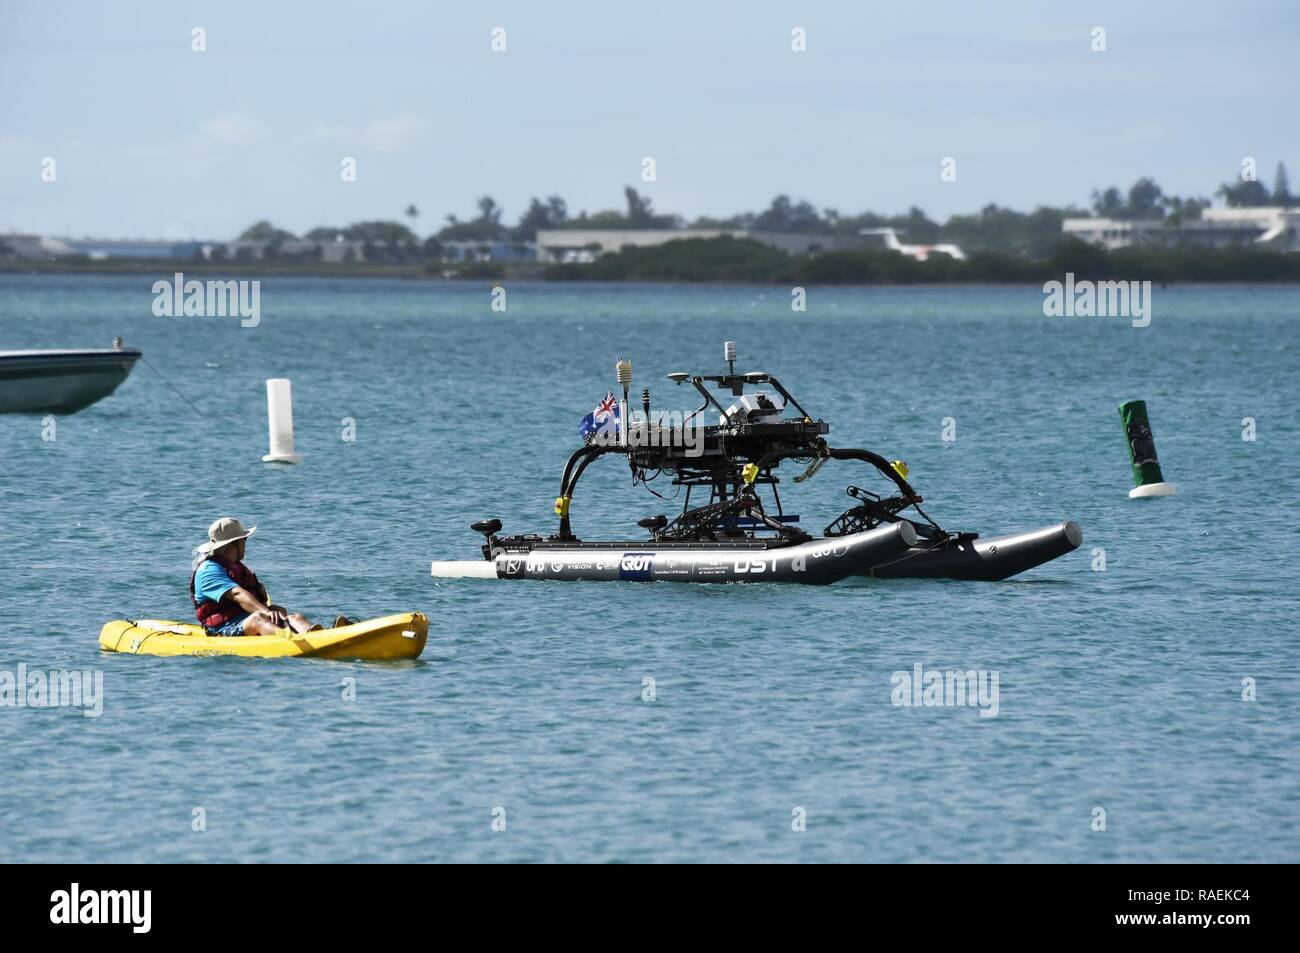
x,y
279,417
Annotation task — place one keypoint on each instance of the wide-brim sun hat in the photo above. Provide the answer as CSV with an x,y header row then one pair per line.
x,y
223,532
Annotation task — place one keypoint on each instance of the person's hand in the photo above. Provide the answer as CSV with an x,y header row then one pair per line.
x,y
277,616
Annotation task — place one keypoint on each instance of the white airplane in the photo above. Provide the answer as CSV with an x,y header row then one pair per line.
x,y
919,252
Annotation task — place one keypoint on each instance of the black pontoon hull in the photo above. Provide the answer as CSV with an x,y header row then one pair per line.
x,y
816,562
983,559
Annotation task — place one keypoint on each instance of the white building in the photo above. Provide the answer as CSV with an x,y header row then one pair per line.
x,y
34,246
1270,227
338,251
560,245
98,249
564,245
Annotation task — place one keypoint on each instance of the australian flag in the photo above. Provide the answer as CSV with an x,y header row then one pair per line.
x,y
604,419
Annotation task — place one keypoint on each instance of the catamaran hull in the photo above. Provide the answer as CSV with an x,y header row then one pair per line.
x,y
987,560
817,562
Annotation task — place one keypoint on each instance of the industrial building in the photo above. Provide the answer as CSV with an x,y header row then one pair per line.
x,y
1265,227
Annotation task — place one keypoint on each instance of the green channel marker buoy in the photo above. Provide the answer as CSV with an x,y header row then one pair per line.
x,y
1147,478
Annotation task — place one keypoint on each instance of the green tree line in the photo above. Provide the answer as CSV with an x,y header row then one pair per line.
x,y
745,260
1032,234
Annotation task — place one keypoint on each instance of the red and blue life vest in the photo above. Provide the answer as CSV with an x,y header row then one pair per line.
x,y
213,615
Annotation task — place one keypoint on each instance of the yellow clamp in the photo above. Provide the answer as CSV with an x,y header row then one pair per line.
x,y
749,474
900,468
562,505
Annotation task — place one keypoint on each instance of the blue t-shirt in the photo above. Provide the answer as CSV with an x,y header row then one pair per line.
x,y
212,582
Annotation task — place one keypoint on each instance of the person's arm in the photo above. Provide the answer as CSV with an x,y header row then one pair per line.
x,y
250,603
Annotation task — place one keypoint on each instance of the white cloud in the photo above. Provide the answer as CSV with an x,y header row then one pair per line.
x,y
386,135
16,146
334,133
396,134
233,129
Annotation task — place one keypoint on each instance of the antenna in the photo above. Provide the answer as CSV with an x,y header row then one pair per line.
x,y
729,354
623,370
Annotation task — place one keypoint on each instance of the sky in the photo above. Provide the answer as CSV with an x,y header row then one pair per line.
x,y
152,139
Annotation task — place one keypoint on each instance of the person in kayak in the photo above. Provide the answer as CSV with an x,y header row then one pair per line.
x,y
228,599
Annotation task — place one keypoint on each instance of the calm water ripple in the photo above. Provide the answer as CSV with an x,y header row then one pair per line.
x,y
1118,689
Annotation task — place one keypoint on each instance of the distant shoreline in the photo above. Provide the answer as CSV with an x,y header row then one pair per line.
x,y
695,264
164,268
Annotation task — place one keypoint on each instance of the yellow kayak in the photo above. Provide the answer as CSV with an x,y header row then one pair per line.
x,y
391,637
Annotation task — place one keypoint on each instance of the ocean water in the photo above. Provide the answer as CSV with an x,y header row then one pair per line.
x,y
1119,690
